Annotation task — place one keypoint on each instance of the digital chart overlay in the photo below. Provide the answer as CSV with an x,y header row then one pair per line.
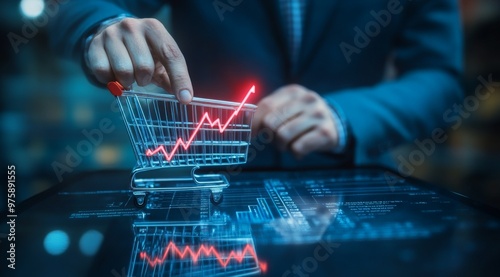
x,y
192,251
206,119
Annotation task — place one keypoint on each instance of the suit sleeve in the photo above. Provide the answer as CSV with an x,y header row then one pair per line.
x,y
428,58
77,19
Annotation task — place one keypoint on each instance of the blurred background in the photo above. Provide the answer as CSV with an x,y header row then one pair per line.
x,y
48,107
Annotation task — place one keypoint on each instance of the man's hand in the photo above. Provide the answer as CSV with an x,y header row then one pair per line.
x,y
140,50
300,119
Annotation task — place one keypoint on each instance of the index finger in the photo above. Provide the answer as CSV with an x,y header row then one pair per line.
x,y
165,49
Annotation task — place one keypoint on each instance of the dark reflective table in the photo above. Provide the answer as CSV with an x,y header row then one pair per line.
x,y
365,221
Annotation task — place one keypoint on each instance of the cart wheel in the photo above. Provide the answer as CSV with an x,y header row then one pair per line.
x,y
216,198
140,199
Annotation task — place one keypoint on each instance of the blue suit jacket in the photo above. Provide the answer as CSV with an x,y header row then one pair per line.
x,y
345,49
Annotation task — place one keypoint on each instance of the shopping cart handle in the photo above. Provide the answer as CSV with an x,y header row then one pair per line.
x,y
115,88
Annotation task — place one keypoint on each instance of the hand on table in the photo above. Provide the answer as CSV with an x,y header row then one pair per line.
x,y
300,119
143,51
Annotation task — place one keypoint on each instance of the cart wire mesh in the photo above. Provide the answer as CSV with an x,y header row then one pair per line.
x,y
166,133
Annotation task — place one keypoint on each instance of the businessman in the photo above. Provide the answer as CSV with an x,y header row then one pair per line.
x,y
320,66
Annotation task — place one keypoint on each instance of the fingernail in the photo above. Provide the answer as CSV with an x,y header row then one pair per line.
x,y
145,81
185,96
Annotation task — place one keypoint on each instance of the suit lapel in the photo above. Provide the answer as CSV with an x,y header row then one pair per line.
x,y
318,16
280,31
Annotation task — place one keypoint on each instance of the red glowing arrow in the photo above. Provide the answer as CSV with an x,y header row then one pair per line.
x,y
206,117
207,251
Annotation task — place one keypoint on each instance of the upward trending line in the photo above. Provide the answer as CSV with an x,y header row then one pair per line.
x,y
206,117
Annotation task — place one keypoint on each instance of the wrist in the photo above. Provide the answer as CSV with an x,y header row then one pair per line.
x,y
341,127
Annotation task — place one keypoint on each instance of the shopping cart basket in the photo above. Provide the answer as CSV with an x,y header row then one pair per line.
x,y
172,140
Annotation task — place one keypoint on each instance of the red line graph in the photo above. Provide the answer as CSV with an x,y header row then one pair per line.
x,y
187,252
206,118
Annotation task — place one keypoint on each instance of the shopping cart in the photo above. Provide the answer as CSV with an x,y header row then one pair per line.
x,y
172,140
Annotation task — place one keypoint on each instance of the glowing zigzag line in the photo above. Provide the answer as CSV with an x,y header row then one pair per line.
x,y
223,261
206,117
